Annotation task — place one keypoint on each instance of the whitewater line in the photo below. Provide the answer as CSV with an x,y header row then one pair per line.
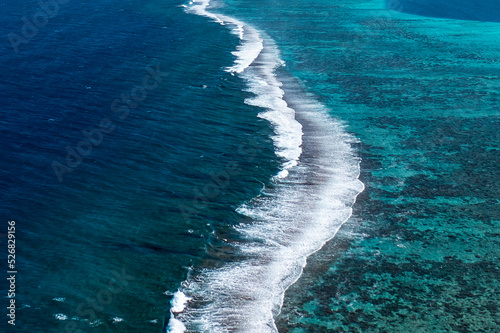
x,y
307,206
265,86
246,53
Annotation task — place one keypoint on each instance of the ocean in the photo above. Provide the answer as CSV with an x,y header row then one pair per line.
x,y
243,166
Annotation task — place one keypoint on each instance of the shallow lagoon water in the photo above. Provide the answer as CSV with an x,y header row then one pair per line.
x,y
421,253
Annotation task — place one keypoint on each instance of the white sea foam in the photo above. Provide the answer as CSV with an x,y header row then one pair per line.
x,y
290,222
179,302
60,316
262,82
311,199
176,326
249,49
251,43
177,305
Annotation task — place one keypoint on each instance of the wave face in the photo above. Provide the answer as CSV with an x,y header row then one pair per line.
x,y
309,200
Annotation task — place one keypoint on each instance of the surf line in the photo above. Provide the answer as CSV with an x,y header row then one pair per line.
x,y
262,83
307,206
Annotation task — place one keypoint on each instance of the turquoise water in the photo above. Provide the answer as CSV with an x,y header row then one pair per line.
x,y
422,252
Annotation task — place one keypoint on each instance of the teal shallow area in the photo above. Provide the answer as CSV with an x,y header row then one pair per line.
x,y
425,258
421,253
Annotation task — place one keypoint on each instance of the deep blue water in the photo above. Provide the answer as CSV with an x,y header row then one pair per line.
x,y
487,10
150,167
120,207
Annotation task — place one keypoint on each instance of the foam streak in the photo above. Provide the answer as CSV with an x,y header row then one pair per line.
x,y
311,199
